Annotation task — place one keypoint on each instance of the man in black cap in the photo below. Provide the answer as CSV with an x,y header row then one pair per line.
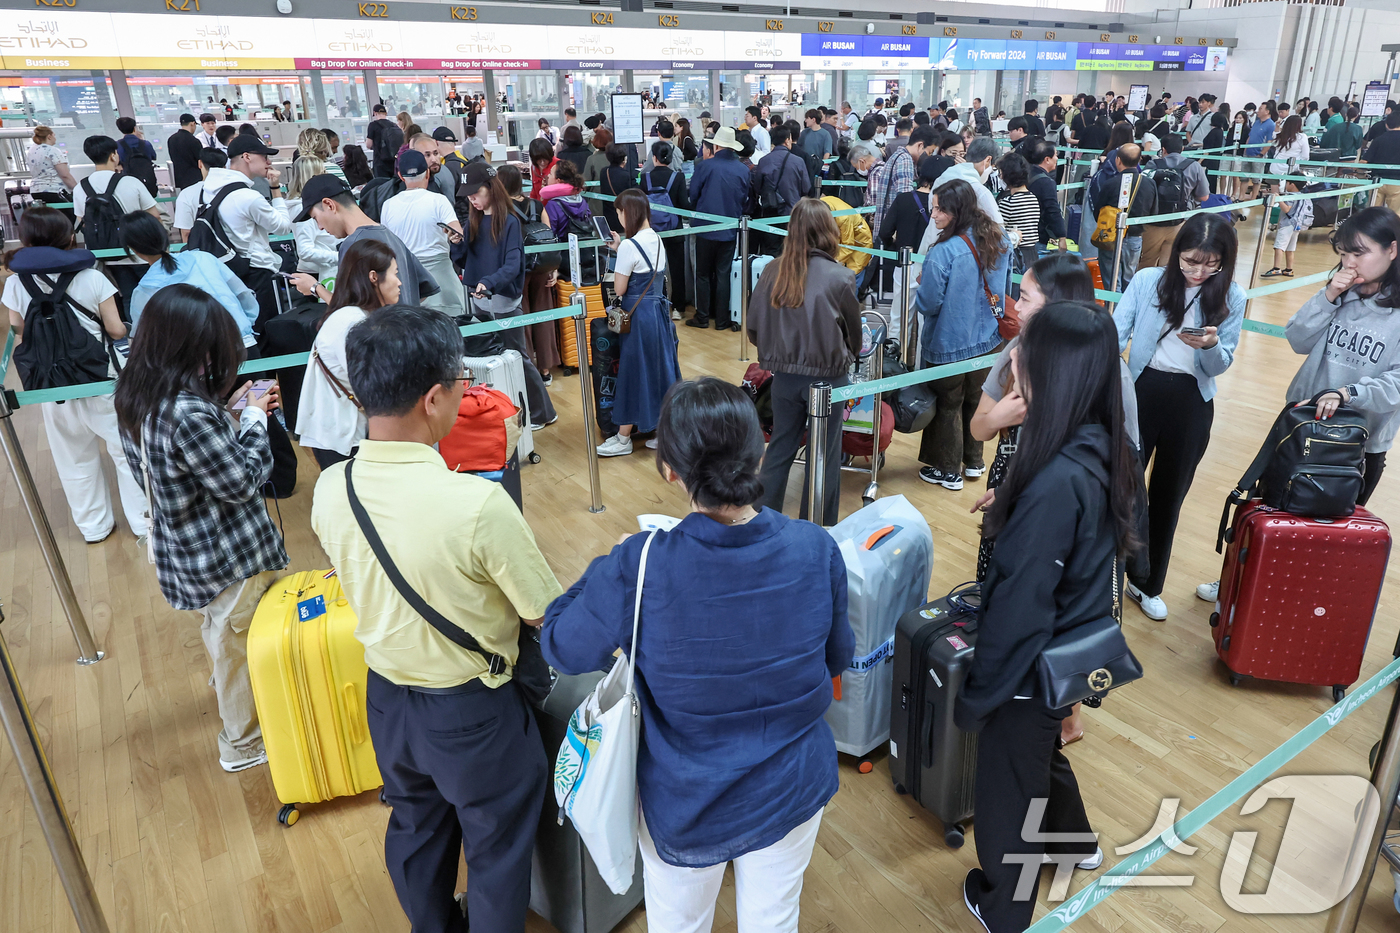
x,y
248,218
428,225
384,139
447,152
328,201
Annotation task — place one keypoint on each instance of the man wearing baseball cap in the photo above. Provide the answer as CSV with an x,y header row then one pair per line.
x,y
328,201
249,219
446,141
384,138
427,224
721,186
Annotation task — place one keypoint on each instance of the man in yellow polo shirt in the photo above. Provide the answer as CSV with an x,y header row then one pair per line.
x,y
461,756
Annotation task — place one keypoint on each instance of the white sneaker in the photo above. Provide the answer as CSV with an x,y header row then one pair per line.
x,y
651,444
1210,592
1152,606
615,446
1089,864
243,764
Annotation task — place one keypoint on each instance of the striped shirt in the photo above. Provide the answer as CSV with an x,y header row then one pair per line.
x,y
1020,210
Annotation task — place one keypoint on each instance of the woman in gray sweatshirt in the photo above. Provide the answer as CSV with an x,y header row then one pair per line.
x,y
1351,333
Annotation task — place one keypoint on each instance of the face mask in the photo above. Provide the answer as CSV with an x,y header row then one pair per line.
x,y
861,172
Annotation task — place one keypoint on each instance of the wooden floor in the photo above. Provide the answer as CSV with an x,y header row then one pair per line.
x,y
174,844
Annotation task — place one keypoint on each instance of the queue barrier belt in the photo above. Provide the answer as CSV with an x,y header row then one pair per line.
x,y
91,389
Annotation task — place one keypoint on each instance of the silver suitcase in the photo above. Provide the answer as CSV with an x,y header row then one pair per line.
x,y
888,550
505,373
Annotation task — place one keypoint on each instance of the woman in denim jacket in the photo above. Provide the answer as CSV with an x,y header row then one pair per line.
x,y
1184,322
968,262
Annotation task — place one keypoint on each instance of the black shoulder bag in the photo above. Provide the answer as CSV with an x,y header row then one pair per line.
x,y
1083,663
532,675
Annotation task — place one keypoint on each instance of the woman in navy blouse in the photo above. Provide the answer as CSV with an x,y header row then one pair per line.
x,y
736,762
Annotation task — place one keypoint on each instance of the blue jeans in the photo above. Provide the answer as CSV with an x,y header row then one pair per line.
x,y
1132,252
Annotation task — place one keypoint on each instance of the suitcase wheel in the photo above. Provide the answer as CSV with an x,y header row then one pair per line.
x,y
865,766
1214,619
1235,679
567,370
900,789
288,815
953,835
1339,693
534,457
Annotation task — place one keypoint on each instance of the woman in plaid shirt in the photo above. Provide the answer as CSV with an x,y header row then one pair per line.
x,y
204,467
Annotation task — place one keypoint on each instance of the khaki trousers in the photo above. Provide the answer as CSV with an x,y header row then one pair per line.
x,y
225,634
1157,245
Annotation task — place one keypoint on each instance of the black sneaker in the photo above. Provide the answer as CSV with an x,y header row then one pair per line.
x,y
972,472
938,478
697,322
972,890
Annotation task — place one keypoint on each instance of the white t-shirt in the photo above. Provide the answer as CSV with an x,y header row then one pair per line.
x,y
187,206
89,289
131,195
44,160
326,419
1173,355
631,263
414,216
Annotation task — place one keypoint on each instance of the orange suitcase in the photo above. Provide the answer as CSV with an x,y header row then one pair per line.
x,y
593,307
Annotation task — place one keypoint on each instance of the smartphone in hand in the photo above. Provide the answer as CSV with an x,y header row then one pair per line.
x,y
1194,331
259,389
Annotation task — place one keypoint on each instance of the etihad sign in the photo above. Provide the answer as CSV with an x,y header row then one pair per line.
x,y
41,34
591,45
484,44
359,41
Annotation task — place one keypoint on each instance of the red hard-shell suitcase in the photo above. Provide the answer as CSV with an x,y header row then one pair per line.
x,y
1297,595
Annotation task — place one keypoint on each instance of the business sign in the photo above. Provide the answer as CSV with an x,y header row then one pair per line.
x,y
1016,55
762,51
1373,99
1120,56
57,41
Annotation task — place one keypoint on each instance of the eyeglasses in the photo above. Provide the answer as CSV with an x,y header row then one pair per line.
x,y
1200,268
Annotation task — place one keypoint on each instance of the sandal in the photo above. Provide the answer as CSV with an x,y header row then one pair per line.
x,y
1275,271
1288,272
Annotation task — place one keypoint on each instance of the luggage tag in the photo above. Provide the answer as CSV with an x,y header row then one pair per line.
x,y
308,609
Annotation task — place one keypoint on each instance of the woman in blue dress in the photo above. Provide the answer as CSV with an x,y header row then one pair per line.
x,y
647,365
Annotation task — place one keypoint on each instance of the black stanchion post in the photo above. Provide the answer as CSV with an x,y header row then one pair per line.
x,y
585,387
48,546
38,779
745,283
690,258
1385,777
1268,207
818,412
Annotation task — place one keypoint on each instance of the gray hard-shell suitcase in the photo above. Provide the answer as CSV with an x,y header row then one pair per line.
x,y
930,757
565,887
888,550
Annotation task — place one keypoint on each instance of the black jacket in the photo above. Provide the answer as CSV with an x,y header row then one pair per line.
x,y
1052,569
184,149
576,154
906,220
1052,222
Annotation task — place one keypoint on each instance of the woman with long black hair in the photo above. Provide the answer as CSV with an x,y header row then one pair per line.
x,y
1183,321
203,463
329,418
1060,520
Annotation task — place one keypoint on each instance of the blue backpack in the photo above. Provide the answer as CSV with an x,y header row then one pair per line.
x,y
661,221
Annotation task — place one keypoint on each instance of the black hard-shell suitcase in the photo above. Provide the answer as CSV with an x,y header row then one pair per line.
x,y
565,887
930,757
602,369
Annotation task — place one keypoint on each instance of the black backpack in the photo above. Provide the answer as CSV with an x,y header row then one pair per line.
x,y
209,236
56,350
1307,467
1171,189
376,192
102,216
535,232
771,202
139,166
587,255
814,170
982,120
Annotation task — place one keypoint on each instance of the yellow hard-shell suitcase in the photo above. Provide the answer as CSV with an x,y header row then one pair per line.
x,y
592,307
309,679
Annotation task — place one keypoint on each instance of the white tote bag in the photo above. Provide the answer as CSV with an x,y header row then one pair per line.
x,y
595,775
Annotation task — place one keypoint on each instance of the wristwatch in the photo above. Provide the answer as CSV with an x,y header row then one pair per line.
x,y
1351,393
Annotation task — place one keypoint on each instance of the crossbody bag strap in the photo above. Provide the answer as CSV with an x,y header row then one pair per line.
x,y
991,299
453,633
651,266
339,387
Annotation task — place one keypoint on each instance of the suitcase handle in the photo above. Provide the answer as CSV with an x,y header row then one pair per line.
x,y
879,536
836,689
354,714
